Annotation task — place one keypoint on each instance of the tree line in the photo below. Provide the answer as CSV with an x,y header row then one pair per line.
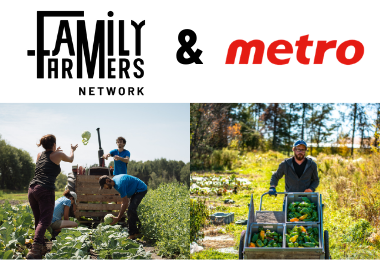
x,y
275,126
153,173
17,170
16,167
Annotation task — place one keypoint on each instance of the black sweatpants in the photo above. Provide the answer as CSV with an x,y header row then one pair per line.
x,y
133,219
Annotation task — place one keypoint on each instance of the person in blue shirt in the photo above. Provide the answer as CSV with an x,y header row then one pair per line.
x,y
120,155
61,209
132,190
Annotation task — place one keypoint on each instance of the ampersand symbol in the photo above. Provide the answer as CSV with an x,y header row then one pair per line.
x,y
186,47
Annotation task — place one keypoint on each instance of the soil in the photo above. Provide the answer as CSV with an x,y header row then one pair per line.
x,y
14,202
214,239
149,247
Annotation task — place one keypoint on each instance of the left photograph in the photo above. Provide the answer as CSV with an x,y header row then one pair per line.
x,y
90,181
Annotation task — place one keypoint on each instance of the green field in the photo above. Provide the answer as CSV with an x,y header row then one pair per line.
x,y
21,195
165,225
350,190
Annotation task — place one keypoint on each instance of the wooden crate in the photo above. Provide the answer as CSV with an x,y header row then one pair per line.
x,y
90,199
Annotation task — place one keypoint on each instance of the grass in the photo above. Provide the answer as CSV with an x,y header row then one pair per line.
x,y
213,254
21,195
350,190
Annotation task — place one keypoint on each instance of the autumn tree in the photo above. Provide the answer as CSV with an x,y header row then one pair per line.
x,y
208,130
247,117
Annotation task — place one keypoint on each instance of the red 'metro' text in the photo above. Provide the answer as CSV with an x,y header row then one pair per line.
x,y
302,44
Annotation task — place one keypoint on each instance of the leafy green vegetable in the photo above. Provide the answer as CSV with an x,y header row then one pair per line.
x,y
108,219
86,137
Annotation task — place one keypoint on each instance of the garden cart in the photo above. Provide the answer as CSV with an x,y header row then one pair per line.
x,y
278,222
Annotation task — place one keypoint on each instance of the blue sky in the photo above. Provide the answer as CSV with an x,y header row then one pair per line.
x,y
152,131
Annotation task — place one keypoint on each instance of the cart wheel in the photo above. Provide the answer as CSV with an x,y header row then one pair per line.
x,y
327,246
241,245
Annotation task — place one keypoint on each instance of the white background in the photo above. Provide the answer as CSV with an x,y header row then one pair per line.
x,y
217,24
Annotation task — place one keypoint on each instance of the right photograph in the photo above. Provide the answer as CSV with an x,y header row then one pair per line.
x,y
284,180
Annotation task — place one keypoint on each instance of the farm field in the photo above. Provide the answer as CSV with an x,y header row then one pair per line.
x,y
350,191
168,233
15,197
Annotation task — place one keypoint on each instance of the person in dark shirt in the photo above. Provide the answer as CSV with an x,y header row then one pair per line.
x,y
41,190
301,173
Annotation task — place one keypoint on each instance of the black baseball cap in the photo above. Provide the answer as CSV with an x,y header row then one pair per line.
x,y
102,181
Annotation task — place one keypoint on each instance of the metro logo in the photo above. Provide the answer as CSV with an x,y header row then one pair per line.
x,y
302,44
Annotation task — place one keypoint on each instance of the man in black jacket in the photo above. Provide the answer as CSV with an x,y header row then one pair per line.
x,y
301,173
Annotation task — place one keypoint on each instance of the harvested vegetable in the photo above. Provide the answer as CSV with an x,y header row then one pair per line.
x,y
301,237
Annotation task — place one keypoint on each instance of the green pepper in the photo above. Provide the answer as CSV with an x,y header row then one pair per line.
x,y
270,243
265,242
296,203
312,240
305,211
297,214
287,238
274,244
293,234
307,239
304,204
295,244
315,231
300,238
280,239
259,243
306,199
309,244
288,230
269,234
301,242
290,244
275,238
299,209
255,237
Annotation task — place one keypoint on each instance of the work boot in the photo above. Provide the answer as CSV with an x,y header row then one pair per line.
x,y
54,234
35,252
44,250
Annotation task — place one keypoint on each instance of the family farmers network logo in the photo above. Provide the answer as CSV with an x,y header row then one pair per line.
x,y
73,58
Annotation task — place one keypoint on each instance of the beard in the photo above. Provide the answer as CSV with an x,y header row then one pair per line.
x,y
299,157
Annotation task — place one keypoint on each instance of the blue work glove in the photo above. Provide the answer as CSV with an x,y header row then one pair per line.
x,y
272,191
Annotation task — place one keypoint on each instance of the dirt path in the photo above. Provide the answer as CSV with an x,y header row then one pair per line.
x,y
219,241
